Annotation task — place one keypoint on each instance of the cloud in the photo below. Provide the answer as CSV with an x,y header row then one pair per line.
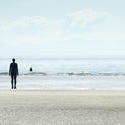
x,y
39,29
79,32
25,22
82,19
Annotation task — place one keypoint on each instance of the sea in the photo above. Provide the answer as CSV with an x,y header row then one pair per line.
x,y
68,66
66,73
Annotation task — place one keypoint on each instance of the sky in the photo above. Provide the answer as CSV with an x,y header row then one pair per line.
x,y
62,28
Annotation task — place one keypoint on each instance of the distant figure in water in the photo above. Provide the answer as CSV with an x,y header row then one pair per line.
x,y
13,72
31,69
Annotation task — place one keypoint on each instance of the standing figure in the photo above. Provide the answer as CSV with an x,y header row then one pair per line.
x,y
13,72
31,69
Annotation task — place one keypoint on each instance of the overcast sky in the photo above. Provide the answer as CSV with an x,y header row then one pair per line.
x,y
62,28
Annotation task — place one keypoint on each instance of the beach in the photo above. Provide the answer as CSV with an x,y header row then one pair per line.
x,y
63,100
62,62
62,107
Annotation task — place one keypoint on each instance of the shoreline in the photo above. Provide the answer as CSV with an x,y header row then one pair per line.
x,y
66,82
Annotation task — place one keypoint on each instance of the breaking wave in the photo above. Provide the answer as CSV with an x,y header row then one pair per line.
x,y
68,74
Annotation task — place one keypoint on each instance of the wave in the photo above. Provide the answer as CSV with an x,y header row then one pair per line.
x,y
68,74
35,73
74,74
91,74
4,73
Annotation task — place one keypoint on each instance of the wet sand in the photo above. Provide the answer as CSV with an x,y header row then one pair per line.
x,y
62,107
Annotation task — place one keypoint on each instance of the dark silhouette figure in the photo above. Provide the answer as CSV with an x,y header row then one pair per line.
x,y
13,72
31,69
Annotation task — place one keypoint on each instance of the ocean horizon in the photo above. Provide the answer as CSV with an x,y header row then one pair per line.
x,y
67,66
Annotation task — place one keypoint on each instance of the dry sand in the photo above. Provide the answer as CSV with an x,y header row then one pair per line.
x,y
61,107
